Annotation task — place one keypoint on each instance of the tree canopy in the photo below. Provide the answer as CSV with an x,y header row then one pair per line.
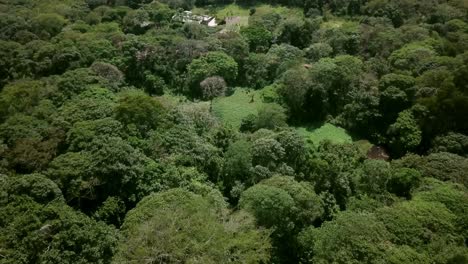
x,y
206,131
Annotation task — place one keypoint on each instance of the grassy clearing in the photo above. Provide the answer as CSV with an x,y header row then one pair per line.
x,y
282,10
232,10
336,23
243,12
232,109
327,131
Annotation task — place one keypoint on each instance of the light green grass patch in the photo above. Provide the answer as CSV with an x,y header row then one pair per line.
x,y
243,12
325,132
282,10
232,109
340,23
232,10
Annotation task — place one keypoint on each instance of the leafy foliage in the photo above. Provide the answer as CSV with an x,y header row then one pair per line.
x,y
182,218
335,132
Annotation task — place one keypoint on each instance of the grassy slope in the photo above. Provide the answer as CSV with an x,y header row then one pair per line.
x,y
325,132
232,109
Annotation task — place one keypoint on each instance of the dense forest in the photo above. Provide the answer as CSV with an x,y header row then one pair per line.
x,y
211,131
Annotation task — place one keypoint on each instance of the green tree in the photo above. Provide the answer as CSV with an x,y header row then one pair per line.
x,y
294,90
36,226
50,23
271,116
397,94
392,102
213,64
81,135
237,163
138,109
295,147
333,81
452,142
183,144
403,181
194,31
282,57
405,133
234,45
412,57
331,168
363,114
297,32
267,152
350,238
109,166
317,51
374,177
418,223
406,254
344,39
445,166
109,72
74,82
95,103
308,205
136,22
111,211
213,87
259,38
257,71
400,81
36,186
71,172
178,225
136,3
453,196
271,206
286,206
23,96
33,142
175,4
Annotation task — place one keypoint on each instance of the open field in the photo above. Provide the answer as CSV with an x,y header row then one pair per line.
x,y
232,109
326,131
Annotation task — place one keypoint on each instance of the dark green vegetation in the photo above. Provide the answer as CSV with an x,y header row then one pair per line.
x,y
127,137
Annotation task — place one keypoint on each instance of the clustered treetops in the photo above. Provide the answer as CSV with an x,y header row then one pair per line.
x,y
114,147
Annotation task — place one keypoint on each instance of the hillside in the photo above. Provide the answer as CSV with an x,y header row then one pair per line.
x,y
206,131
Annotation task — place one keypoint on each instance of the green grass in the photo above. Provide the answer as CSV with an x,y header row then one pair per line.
x,y
232,109
173,98
364,146
223,11
232,10
282,10
327,131
339,23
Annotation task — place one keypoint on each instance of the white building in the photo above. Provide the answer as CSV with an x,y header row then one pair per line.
x,y
189,17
